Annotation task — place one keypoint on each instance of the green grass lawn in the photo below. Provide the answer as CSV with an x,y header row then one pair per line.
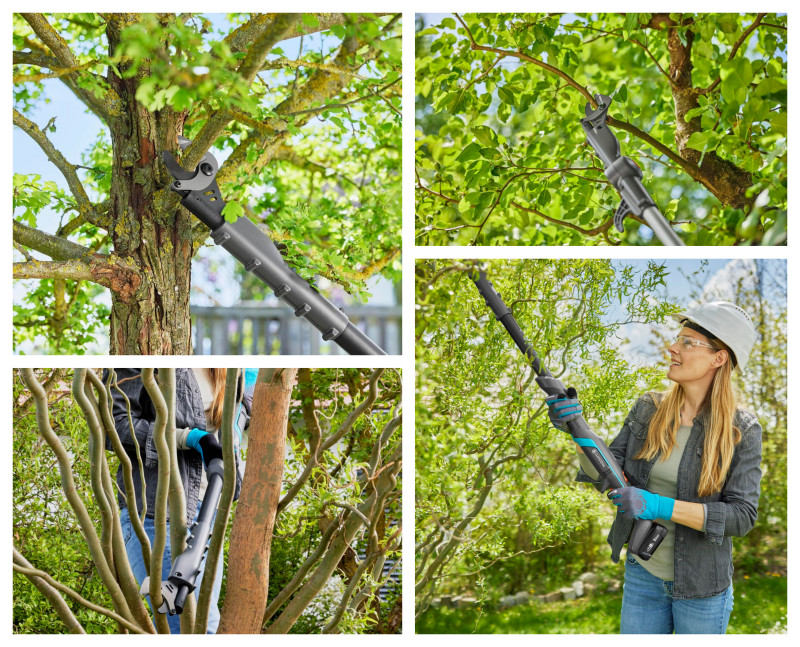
x,y
759,604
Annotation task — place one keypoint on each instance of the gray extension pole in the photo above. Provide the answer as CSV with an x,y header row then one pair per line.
x,y
624,174
200,194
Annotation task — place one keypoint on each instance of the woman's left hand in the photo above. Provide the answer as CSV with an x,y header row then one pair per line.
x,y
635,503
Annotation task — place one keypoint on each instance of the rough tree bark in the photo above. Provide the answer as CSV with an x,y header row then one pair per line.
x,y
721,177
251,536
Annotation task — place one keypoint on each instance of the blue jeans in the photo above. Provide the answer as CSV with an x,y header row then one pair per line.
x,y
134,550
648,607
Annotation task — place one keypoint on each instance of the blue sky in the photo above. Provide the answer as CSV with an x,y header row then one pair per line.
x,y
717,278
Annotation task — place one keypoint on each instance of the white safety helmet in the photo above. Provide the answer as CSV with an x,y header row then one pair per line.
x,y
727,322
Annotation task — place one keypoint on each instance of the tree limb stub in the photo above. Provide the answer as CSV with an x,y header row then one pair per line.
x,y
103,270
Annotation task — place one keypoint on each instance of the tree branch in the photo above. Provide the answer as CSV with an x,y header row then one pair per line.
x,y
109,271
242,36
265,35
63,54
70,491
57,73
320,85
50,592
689,168
735,48
57,248
85,205
162,494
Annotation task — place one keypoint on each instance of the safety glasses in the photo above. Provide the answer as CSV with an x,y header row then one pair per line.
x,y
687,343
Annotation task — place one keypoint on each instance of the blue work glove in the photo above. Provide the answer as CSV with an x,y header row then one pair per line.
x,y
562,409
635,503
205,443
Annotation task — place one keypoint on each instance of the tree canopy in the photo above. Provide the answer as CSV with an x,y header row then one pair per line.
x,y
699,102
305,107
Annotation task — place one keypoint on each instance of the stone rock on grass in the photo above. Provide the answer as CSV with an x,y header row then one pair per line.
x,y
568,593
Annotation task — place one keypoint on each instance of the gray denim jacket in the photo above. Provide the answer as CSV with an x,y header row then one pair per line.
x,y
189,413
703,560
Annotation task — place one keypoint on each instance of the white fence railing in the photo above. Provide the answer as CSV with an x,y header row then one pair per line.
x,y
274,330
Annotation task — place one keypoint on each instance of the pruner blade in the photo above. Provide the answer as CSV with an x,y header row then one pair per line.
x,y
196,180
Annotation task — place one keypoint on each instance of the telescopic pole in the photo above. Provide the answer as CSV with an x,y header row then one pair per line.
x,y
646,536
200,194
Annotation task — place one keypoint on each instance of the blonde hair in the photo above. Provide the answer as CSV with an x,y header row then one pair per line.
x,y
719,409
217,378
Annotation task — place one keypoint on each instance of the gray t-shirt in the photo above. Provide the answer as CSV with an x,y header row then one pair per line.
x,y
664,481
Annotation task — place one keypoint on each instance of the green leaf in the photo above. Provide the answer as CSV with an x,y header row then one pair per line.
x,y
232,211
506,96
736,77
449,23
694,112
471,152
631,24
772,88
703,140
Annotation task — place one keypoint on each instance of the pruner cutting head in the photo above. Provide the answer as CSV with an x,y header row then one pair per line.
x,y
597,116
196,180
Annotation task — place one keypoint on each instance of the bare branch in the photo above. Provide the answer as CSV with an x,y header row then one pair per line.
x,y
178,530
50,592
70,490
57,248
108,271
281,63
162,494
240,39
100,423
33,572
55,74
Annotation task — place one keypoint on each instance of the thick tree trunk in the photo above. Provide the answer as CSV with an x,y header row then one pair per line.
x,y
251,536
150,316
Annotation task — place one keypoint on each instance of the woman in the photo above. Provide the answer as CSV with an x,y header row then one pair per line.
x,y
693,458
199,395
